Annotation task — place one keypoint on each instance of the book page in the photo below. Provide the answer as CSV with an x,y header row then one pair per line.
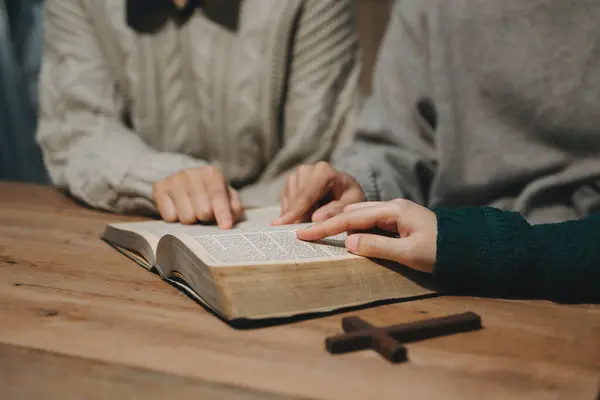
x,y
258,218
161,228
268,245
253,219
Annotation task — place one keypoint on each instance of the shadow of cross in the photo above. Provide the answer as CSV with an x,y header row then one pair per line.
x,y
388,341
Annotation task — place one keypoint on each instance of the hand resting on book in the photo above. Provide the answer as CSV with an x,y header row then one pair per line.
x,y
310,185
414,226
198,194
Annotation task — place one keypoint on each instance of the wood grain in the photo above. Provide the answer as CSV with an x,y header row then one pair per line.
x,y
33,374
65,292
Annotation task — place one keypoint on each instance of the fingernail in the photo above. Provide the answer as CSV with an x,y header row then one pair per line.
x,y
276,221
352,242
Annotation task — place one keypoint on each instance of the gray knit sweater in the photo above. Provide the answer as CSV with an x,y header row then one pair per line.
x,y
120,111
485,102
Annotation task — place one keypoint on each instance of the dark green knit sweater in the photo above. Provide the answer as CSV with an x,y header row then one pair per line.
x,y
487,251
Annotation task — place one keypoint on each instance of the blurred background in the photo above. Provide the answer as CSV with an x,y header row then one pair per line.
x,y
21,43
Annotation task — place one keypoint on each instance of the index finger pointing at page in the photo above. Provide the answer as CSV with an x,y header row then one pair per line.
x,y
221,205
361,219
331,227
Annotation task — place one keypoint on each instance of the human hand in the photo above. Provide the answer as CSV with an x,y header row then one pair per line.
x,y
310,184
414,228
198,194
180,3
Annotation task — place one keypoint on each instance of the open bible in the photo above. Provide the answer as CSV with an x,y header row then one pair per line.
x,y
257,271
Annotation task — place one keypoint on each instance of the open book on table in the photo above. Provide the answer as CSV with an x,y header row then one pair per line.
x,y
259,271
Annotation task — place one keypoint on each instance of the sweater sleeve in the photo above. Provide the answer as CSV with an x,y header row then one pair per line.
x,y
86,146
489,251
322,85
393,154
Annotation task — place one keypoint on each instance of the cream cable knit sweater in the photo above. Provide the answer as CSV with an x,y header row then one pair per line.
x,y
120,111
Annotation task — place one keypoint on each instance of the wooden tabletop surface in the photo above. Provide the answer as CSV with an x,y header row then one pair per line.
x,y
78,319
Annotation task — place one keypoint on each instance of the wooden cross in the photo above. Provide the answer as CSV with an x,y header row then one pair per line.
x,y
388,341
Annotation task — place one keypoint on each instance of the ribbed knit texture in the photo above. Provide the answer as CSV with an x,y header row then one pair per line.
x,y
120,111
488,103
487,251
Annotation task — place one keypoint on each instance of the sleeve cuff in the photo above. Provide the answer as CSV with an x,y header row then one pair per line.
x,y
144,173
364,174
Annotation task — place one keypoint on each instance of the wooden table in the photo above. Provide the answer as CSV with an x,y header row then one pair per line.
x,y
78,319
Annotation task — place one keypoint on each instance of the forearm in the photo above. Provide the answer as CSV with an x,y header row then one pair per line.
x,y
568,256
113,170
488,251
87,148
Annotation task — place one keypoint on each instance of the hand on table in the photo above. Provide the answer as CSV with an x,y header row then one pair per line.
x,y
308,186
414,228
198,194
